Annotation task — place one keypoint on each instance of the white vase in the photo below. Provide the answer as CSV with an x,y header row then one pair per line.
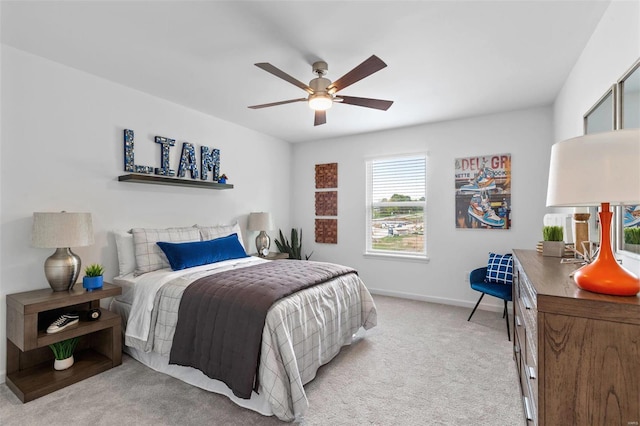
x,y
63,364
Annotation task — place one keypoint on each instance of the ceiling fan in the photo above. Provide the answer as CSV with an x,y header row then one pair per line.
x,y
322,92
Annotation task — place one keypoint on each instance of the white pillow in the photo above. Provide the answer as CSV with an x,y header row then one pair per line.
x,y
219,231
149,257
126,253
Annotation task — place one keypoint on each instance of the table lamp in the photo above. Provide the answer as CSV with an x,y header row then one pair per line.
x,y
598,170
261,221
62,231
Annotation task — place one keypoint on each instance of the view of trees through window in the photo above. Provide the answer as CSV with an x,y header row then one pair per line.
x,y
398,205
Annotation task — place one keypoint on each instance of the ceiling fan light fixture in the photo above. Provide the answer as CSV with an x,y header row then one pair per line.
x,y
320,101
323,93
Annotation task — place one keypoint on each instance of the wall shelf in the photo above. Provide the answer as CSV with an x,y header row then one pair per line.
x,y
157,180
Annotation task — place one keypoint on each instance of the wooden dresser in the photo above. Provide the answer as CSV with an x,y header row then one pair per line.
x,y
577,353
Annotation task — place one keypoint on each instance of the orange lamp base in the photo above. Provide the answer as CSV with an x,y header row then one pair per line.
x,y
605,275
607,278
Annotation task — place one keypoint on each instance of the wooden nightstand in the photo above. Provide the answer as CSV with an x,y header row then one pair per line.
x,y
30,372
273,256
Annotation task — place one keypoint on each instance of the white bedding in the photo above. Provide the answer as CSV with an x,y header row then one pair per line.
x,y
127,284
301,333
147,286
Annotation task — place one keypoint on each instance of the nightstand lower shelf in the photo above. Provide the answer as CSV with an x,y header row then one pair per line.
x,y
42,379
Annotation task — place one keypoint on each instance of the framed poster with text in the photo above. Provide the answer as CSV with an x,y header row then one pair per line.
x,y
483,191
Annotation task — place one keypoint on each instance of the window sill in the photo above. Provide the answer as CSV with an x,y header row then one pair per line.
x,y
400,257
628,254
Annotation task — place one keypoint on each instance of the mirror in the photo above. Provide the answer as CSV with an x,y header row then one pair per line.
x,y
602,116
629,118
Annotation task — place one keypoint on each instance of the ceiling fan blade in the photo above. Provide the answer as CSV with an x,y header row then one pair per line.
x,y
278,103
366,102
365,69
283,75
320,118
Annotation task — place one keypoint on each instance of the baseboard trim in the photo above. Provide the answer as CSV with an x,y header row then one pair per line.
x,y
441,300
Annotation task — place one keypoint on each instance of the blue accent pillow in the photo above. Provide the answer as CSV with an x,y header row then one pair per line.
x,y
196,253
499,269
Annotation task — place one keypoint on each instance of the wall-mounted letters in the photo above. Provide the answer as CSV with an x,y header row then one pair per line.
x,y
209,159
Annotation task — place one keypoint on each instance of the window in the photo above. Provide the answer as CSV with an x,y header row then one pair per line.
x,y
396,206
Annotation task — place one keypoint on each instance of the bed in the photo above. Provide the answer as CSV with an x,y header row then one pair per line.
x,y
301,332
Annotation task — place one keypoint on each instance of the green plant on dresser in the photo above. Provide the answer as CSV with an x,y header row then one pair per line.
x,y
552,233
553,241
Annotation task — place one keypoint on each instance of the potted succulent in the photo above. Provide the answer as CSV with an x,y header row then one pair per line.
x,y
222,178
63,353
93,277
553,244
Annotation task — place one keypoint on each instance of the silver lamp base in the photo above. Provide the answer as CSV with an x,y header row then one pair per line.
x,y
62,269
263,242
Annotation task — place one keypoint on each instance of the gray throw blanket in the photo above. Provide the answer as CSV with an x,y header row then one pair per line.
x,y
221,317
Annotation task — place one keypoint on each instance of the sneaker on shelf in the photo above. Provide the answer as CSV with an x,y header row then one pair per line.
x,y
66,320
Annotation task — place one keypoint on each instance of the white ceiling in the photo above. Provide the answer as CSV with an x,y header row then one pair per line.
x,y
446,59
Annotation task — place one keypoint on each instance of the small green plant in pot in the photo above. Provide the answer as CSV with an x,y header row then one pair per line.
x,y
63,353
93,278
553,244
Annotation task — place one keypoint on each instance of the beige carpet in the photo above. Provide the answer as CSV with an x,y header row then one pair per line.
x,y
424,364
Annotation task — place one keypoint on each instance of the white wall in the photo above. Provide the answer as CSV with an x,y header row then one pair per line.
x,y
611,50
62,149
526,134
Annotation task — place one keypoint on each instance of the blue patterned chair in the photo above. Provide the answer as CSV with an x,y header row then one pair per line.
x,y
495,279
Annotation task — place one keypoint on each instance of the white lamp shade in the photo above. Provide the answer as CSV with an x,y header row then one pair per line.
x,y
259,221
55,230
594,169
